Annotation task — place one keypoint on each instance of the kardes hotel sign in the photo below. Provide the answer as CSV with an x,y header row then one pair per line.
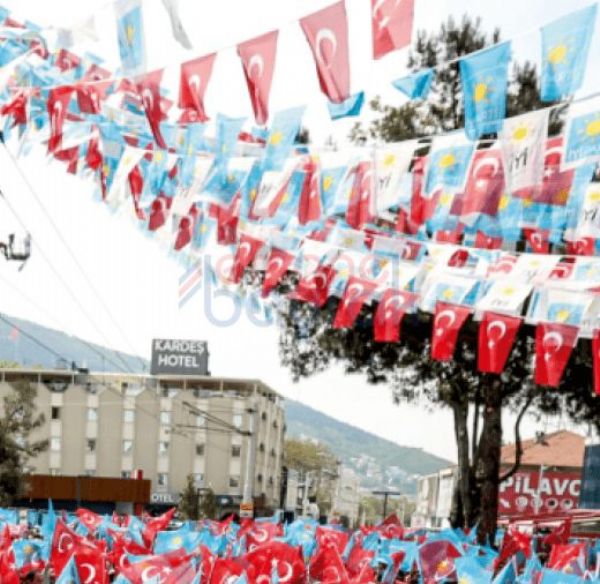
x,y
179,357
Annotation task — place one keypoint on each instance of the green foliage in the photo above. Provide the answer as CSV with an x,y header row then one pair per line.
x,y
189,502
17,423
208,504
308,455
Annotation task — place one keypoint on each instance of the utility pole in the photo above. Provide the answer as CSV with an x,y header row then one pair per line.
x,y
386,494
538,495
247,506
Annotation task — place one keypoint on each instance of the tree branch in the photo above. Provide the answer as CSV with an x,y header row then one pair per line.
x,y
518,443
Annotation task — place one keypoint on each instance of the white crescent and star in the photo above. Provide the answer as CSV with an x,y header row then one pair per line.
x,y
487,161
195,81
450,315
495,325
552,343
91,573
384,19
351,295
256,63
325,34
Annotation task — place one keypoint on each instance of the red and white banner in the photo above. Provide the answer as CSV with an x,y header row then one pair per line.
x,y
497,333
392,22
447,322
553,346
194,79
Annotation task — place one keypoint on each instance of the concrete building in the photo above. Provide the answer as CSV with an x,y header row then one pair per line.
x,y
346,499
161,427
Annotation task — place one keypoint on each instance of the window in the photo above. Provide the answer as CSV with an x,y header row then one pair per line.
x,y
259,478
91,445
234,481
163,447
271,480
200,421
238,420
163,479
198,479
264,416
129,416
55,413
273,453
125,474
165,418
92,414
199,449
236,451
261,447
55,444
127,446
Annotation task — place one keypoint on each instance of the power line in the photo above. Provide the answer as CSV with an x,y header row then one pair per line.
x,y
73,256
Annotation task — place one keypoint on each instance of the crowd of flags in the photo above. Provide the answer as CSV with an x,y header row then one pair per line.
x,y
87,548
432,227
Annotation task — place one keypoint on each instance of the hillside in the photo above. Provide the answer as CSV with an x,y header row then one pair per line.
x,y
377,461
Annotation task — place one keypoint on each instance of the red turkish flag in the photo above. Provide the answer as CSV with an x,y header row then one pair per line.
x,y
483,241
335,537
185,230
90,519
586,246
447,236
91,566
195,75
448,320
596,360
418,202
327,566
258,61
277,265
359,209
159,211
556,185
485,184
66,60
58,103
64,543
358,560
392,23
148,88
315,287
17,107
327,34
357,292
394,304
497,333
244,256
553,345
437,560
537,239
309,208
560,534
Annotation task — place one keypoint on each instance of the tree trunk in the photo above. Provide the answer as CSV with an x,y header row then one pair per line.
x,y
463,479
488,467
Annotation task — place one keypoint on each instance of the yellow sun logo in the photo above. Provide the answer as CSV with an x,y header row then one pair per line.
x,y
593,128
562,196
563,315
448,294
190,150
253,194
481,91
594,196
442,565
130,34
508,291
276,138
344,272
105,169
203,228
389,160
445,199
520,133
558,54
527,203
447,160
285,198
157,156
177,540
503,203
327,182
348,242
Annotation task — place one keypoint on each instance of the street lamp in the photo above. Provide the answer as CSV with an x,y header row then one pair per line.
x,y
386,494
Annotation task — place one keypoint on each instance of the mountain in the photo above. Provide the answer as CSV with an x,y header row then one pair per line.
x,y
379,462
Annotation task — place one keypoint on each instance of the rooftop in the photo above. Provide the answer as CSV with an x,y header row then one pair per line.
x,y
562,448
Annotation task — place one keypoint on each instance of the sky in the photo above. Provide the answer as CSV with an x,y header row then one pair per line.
x,y
86,257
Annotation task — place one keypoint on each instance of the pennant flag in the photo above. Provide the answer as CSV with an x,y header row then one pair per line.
x,y
360,207
258,61
357,292
560,534
554,343
349,108
130,34
565,48
497,333
179,34
415,86
58,103
582,140
148,88
314,288
447,322
448,162
537,240
327,34
193,81
556,184
522,142
393,182
228,130
470,571
244,256
392,307
309,207
282,135
392,23
484,77
277,265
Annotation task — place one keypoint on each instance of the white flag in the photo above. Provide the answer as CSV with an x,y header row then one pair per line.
x,y
523,142
392,164
177,27
588,223
119,188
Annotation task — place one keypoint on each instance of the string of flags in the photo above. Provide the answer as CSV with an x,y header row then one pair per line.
x,y
439,232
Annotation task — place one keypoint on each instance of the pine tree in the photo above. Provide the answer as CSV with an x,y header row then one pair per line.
x,y
208,504
189,502
18,421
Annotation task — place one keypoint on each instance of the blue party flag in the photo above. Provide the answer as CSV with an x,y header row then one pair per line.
x,y
565,48
349,108
469,571
228,130
69,574
484,77
583,139
283,132
130,34
49,522
415,86
555,577
447,167
192,140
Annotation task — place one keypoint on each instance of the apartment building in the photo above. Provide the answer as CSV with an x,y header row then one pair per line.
x,y
225,432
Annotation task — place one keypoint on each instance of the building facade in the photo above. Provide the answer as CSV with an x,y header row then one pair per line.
x,y
346,500
227,433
